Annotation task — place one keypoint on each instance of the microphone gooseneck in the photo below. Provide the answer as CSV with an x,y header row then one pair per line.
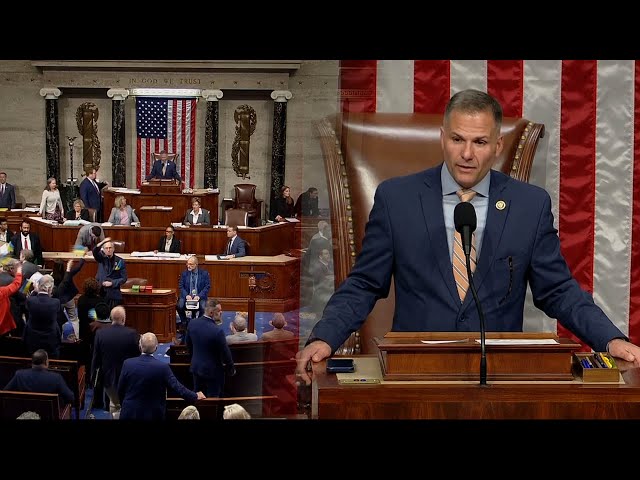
x,y
465,221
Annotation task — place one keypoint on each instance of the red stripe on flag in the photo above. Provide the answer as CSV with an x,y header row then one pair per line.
x,y
577,170
183,144
505,82
138,163
634,297
357,88
431,85
192,138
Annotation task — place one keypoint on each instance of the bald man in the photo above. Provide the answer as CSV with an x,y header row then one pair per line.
x,y
111,347
144,381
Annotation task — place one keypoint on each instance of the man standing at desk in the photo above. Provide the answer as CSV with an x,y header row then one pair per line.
x,y
164,169
112,272
194,285
90,193
7,193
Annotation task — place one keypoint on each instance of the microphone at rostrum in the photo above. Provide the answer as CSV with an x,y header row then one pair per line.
x,y
465,220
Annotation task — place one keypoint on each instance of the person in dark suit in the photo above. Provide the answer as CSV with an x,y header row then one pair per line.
x,y
210,355
5,234
90,193
197,215
42,329
112,271
26,239
78,212
89,236
236,246
7,193
516,244
283,206
194,284
164,169
144,381
111,347
169,243
39,379
307,204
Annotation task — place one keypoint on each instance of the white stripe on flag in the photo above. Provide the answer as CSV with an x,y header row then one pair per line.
x,y
614,189
541,104
187,142
394,92
468,74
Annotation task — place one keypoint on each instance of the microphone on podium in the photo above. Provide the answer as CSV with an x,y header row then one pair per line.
x,y
464,218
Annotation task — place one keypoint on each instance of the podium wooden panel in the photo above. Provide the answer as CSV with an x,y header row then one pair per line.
x,y
155,215
181,202
467,400
456,356
153,311
265,240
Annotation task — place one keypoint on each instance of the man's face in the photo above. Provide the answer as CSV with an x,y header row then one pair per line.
x,y
108,249
230,232
325,255
217,313
163,157
3,226
470,145
313,194
25,228
3,177
93,174
191,265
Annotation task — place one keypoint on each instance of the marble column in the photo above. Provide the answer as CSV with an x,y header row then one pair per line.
x,y
279,145
52,146
211,137
118,139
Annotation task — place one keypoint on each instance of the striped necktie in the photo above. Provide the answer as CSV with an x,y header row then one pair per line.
x,y
459,262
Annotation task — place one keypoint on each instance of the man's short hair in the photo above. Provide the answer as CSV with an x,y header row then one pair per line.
x,y
240,321
278,320
39,357
27,255
3,219
96,230
312,189
28,415
102,311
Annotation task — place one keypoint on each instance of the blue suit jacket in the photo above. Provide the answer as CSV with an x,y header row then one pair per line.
x,y
238,247
203,285
210,353
156,171
113,269
410,244
40,380
89,195
8,200
143,388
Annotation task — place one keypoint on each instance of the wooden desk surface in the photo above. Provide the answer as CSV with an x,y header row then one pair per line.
x,y
467,400
277,278
272,239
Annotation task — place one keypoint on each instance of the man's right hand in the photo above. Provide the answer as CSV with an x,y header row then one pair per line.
x,y
315,352
201,396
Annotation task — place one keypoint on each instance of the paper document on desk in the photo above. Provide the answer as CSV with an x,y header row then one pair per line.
x,y
519,341
292,220
431,342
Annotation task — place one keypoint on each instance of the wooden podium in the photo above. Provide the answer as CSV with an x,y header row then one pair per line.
x,y
160,186
152,311
456,356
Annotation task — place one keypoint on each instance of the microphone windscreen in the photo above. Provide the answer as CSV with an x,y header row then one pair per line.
x,y
464,216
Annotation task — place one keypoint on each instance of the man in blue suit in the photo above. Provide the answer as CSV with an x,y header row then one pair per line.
x,y
39,379
409,237
210,353
90,193
164,169
236,246
194,285
7,193
112,271
144,381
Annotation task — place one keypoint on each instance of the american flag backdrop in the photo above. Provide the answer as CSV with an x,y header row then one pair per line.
x,y
589,160
170,125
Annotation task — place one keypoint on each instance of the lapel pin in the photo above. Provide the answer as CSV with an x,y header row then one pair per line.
x,y
500,205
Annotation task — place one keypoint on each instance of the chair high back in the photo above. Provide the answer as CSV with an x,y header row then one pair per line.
x,y
236,217
172,157
245,199
363,149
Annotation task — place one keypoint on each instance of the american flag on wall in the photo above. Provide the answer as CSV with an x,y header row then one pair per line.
x,y
170,125
589,160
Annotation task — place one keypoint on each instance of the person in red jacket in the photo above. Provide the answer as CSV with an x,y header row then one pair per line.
x,y
6,319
